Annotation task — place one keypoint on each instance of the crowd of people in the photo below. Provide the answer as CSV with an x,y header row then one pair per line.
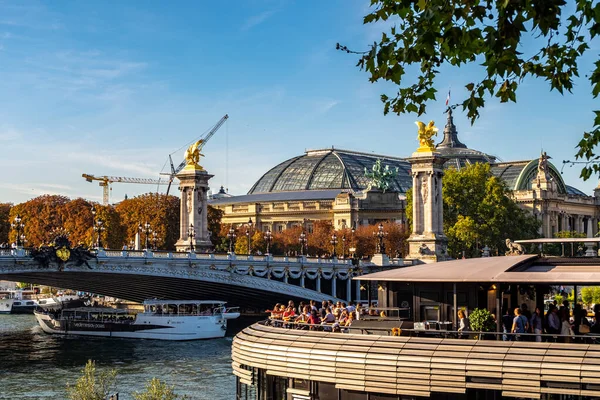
x,y
557,321
327,315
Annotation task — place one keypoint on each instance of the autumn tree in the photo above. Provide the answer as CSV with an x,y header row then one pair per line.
x,y
479,210
508,40
214,216
5,221
159,210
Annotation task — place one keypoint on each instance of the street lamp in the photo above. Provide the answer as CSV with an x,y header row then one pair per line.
x,y
249,235
98,227
146,229
380,234
231,236
334,241
191,235
343,246
268,238
154,240
302,241
19,227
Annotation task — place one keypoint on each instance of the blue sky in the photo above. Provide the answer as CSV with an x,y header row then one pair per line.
x,y
114,87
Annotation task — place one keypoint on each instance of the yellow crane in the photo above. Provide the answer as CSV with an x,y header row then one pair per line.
x,y
106,181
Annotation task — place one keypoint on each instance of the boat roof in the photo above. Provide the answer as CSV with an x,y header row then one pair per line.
x,y
560,240
528,268
180,302
97,310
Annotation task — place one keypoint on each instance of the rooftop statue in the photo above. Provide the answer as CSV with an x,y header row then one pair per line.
x,y
192,154
380,177
514,249
425,135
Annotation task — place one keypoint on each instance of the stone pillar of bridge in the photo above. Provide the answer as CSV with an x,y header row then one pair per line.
x,y
193,185
427,242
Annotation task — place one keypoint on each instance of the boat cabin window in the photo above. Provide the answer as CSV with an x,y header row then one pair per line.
x,y
194,309
205,309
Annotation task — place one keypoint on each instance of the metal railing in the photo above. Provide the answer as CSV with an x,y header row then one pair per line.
x,y
589,338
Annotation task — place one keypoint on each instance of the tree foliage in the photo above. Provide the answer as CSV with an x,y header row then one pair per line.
x,y
510,40
45,216
159,210
590,295
479,210
4,221
157,390
92,385
214,216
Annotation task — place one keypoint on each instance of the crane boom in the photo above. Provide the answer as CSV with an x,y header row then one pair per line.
x,y
105,181
214,129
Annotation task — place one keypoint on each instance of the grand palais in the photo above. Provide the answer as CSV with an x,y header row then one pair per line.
x,y
330,184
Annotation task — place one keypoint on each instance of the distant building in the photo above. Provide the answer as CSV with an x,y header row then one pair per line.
x,y
330,184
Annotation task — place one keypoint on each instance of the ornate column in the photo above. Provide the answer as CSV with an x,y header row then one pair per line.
x,y
319,281
427,241
349,289
193,185
334,285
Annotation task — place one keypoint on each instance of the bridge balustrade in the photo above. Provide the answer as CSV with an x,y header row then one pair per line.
x,y
293,270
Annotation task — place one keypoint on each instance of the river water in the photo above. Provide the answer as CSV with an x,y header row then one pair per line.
x,y
35,365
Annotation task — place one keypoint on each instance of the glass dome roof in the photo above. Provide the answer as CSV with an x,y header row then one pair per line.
x,y
330,169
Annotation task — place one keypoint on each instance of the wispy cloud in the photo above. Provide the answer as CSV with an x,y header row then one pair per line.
x,y
116,162
7,135
256,20
327,105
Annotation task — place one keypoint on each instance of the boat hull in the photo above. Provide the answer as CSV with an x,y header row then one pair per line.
x,y
6,306
144,327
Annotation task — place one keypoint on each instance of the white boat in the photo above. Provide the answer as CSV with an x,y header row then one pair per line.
x,y
161,319
6,304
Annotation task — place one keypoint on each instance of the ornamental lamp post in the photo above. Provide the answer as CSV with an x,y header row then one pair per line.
x,y
146,229
334,241
302,241
380,234
191,235
344,246
154,240
19,227
231,236
268,238
99,228
249,235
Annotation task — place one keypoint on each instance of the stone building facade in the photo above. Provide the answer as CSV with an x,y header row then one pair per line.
x,y
331,184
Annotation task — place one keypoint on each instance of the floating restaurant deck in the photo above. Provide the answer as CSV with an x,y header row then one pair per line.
x,y
413,366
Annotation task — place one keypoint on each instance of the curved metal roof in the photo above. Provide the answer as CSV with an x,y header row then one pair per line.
x,y
519,175
330,169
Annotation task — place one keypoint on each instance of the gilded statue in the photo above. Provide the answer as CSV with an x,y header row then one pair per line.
x,y
192,154
425,134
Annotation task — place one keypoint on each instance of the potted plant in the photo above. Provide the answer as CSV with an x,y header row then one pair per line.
x,y
481,320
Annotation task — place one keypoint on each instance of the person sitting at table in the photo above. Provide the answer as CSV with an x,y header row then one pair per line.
x,y
314,319
303,318
289,313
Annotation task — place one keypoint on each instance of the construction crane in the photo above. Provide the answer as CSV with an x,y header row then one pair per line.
x,y
175,171
105,182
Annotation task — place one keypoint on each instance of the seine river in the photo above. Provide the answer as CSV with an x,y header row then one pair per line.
x,y
34,365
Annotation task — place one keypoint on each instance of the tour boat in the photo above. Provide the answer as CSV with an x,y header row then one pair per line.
x,y
161,319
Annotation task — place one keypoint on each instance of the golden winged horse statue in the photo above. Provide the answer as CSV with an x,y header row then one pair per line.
x,y
425,134
192,154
